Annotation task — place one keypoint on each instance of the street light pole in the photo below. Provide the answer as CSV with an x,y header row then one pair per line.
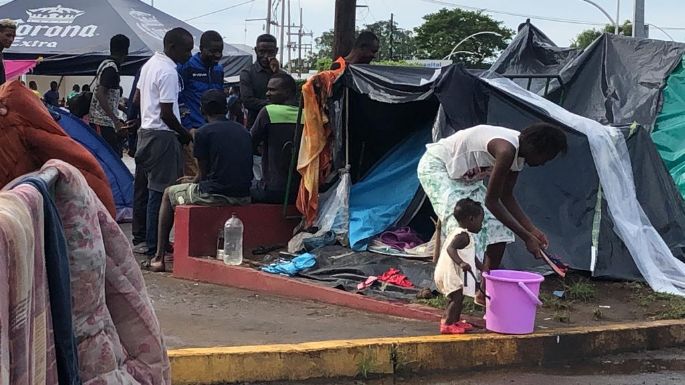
x,y
614,22
664,32
454,50
464,52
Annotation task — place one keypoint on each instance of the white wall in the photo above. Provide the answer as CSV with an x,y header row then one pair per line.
x,y
69,81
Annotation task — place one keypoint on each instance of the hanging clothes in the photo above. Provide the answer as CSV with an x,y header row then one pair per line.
x,y
27,349
30,136
315,158
59,282
120,340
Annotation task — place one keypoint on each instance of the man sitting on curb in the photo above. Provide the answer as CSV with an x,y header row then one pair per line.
x,y
223,152
274,130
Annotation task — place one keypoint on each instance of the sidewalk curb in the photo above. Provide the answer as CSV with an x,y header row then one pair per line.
x,y
415,354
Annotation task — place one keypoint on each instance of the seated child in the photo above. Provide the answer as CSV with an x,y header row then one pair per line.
x,y
457,257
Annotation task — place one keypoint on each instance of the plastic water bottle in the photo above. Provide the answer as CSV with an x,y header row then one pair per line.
x,y
233,241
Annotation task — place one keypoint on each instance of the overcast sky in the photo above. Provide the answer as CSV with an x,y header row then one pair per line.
x,y
318,14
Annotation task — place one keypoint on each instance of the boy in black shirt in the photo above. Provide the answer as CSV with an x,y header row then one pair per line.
x,y
223,152
52,97
274,131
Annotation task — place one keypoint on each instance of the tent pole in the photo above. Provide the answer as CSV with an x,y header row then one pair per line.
x,y
294,156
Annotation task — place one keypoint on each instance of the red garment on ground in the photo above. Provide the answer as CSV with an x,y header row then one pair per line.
x,y
29,137
395,277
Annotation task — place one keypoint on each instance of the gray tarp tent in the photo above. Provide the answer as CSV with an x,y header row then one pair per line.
x,y
73,35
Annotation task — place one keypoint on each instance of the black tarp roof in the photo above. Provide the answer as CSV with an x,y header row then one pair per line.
x,y
616,80
73,35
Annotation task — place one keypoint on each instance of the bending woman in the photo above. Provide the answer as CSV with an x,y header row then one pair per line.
x,y
456,167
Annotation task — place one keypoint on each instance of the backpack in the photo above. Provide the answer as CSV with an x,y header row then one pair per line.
x,y
79,105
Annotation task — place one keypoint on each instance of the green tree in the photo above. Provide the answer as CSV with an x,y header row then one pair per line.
x,y
586,37
403,46
395,40
442,30
324,44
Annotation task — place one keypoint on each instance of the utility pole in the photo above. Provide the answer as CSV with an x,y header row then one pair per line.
x,y
290,66
268,17
282,31
299,48
392,27
345,13
639,29
300,34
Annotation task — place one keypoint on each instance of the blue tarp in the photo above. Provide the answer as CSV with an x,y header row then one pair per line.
x,y
120,178
380,199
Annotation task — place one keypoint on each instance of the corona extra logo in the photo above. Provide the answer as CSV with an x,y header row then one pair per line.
x,y
149,24
53,15
44,26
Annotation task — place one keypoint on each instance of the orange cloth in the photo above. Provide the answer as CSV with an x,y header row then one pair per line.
x,y
29,137
315,158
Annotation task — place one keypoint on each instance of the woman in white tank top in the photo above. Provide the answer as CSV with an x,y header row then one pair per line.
x,y
457,167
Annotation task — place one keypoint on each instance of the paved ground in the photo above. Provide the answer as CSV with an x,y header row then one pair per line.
x,y
666,367
201,315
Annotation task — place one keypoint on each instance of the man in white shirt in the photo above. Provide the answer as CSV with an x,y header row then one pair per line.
x,y
159,152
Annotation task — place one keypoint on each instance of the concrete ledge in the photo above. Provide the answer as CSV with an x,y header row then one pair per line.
x,y
415,354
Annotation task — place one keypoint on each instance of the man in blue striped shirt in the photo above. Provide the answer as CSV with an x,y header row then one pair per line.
x,y
200,74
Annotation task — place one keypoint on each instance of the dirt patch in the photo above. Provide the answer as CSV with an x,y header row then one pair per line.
x,y
587,302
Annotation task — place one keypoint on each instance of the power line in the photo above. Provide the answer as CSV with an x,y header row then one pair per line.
x,y
536,17
220,10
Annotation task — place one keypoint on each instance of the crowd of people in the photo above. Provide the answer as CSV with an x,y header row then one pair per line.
x,y
194,142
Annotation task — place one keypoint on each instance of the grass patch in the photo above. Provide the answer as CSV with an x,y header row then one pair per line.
x,y
555,303
665,306
400,362
580,290
563,316
364,366
675,310
470,307
438,302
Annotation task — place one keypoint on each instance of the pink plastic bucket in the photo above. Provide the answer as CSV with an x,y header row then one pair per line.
x,y
513,301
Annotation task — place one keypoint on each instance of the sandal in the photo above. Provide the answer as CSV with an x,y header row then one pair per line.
x,y
451,329
154,267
